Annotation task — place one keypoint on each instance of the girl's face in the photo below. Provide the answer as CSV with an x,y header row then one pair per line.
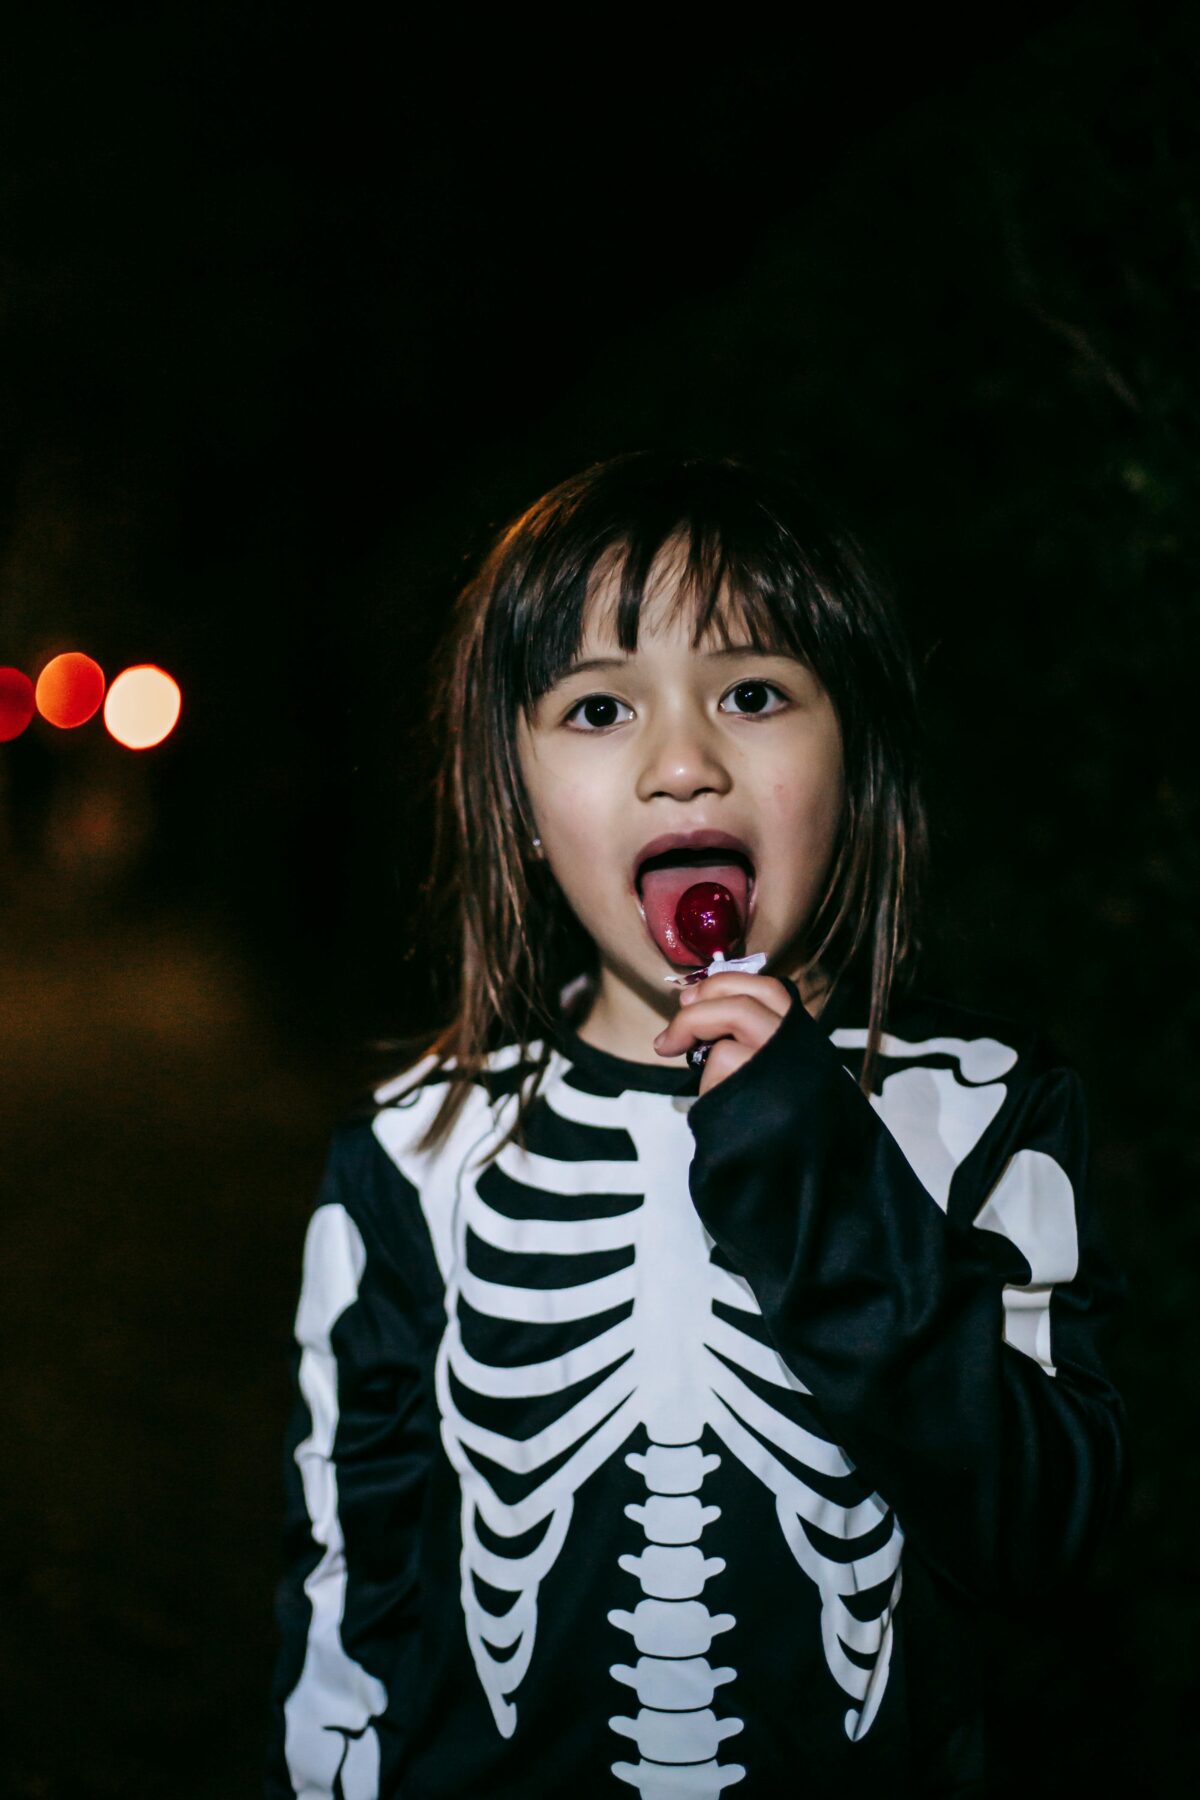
x,y
671,741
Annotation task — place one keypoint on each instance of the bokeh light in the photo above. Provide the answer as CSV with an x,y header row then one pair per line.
x,y
142,706
17,704
69,689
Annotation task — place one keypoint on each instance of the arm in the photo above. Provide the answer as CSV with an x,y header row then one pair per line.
x,y
357,1451
1004,1463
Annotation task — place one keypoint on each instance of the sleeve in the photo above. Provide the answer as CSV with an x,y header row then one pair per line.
x,y
357,1453
923,1334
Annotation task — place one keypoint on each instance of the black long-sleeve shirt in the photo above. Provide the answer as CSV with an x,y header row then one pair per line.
x,y
678,1450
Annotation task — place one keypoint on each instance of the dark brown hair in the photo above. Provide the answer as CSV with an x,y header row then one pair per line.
x,y
753,545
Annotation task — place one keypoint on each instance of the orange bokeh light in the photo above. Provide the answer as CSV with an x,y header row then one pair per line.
x,y
16,703
142,706
69,690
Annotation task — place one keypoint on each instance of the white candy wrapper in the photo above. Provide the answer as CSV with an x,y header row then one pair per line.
x,y
721,965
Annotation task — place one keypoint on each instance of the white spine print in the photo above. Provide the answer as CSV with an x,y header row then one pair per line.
x,y
668,1370
676,1730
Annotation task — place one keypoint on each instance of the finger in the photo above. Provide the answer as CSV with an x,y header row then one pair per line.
x,y
740,1017
763,988
721,1062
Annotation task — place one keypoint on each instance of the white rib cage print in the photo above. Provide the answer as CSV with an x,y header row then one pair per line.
x,y
672,1365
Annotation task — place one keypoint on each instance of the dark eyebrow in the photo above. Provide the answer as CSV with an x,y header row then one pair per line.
x,y
619,662
749,650
595,662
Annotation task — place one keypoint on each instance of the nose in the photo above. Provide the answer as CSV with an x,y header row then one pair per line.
x,y
682,760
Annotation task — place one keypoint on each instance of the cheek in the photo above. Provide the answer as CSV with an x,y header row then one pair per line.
x,y
577,831
554,793
806,809
815,788
569,811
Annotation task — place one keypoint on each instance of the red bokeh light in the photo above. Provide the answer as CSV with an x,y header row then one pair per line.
x,y
17,704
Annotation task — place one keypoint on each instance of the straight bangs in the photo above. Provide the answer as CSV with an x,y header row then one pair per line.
x,y
748,558
732,570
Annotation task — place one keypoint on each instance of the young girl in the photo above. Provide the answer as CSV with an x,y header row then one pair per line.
x,y
664,1428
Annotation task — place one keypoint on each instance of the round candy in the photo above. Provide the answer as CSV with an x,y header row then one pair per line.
x,y
708,920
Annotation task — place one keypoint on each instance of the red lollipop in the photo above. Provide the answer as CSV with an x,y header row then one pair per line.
x,y
707,919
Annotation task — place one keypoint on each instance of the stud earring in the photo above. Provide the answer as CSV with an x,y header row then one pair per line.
x,y
537,843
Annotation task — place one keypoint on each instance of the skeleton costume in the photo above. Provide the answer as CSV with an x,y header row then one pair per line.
x,y
677,1451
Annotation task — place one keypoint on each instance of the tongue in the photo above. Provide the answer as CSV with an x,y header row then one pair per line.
x,y
663,889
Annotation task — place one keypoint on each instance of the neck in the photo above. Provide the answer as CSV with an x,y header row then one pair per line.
x,y
624,1022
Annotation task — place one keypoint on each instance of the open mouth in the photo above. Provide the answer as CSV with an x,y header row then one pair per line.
x,y
662,880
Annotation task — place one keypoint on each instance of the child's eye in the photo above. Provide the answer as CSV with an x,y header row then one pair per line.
x,y
596,711
753,697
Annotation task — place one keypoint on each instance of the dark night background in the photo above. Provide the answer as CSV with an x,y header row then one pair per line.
x,y
292,316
